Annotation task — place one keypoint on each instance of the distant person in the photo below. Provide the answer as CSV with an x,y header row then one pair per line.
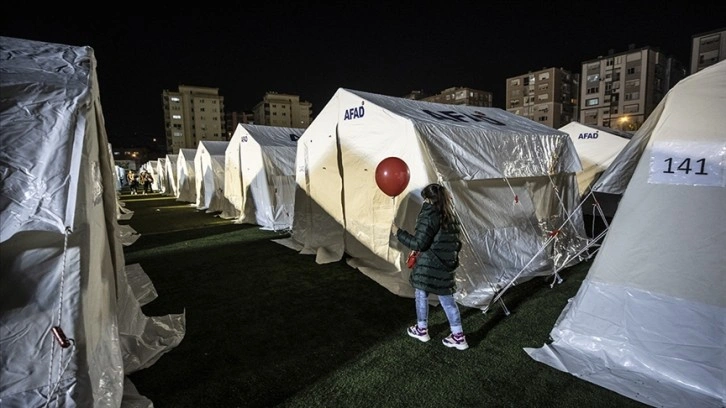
x,y
147,183
133,182
437,238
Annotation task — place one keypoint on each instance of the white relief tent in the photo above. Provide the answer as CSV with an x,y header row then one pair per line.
x,y
161,181
171,182
209,175
121,177
597,148
185,177
232,178
260,167
649,321
512,181
71,325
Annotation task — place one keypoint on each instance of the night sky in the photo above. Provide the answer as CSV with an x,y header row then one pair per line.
x,y
311,52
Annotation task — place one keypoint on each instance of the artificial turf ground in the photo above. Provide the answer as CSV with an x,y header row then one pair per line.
x,y
268,327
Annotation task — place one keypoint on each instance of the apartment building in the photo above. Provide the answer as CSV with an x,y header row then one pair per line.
x,y
707,49
457,96
548,96
192,114
283,110
620,90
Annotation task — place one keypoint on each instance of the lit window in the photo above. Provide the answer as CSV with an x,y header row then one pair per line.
x,y
592,101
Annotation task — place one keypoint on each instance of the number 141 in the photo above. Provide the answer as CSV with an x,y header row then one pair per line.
x,y
685,166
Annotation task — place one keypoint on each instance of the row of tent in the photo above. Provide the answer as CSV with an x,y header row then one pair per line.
x,y
516,182
249,179
515,187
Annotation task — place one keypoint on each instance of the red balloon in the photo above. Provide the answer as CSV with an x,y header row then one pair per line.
x,y
392,176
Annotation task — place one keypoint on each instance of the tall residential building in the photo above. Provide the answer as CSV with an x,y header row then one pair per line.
x,y
192,114
458,96
283,110
547,96
621,90
707,49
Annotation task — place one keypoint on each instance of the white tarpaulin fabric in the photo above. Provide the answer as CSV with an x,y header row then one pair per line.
x,y
512,180
649,321
597,148
209,175
615,178
71,326
260,164
171,177
232,178
160,179
185,177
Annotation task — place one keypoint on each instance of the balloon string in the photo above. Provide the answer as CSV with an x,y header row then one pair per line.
x,y
388,255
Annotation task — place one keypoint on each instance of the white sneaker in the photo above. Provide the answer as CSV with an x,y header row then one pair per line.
x,y
458,341
417,333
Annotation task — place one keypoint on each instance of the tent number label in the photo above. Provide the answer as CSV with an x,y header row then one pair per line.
x,y
686,166
696,164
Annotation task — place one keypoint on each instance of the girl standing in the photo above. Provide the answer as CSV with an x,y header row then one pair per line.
x,y
437,239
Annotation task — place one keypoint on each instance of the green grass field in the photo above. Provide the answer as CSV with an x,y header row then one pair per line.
x,y
268,327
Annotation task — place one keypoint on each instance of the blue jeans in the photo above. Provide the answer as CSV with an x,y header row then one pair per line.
x,y
451,308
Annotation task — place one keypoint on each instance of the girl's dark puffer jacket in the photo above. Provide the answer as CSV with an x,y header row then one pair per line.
x,y
439,248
